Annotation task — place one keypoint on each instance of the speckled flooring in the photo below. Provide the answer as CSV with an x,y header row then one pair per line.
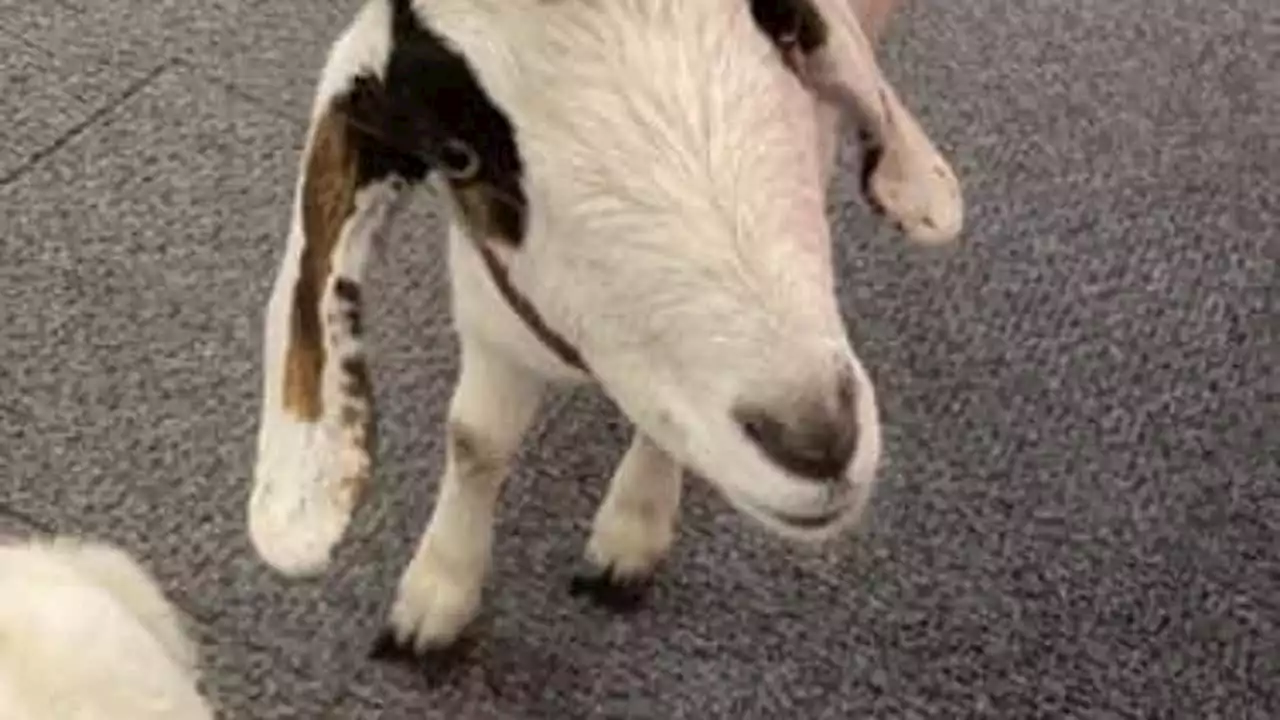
x,y
1080,513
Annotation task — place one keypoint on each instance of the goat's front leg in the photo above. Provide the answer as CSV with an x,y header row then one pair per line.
x,y
439,594
634,527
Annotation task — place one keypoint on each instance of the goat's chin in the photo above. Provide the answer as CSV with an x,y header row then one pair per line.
x,y
701,437
793,508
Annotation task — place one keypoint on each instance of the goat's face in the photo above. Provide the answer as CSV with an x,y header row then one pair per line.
x,y
651,176
673,168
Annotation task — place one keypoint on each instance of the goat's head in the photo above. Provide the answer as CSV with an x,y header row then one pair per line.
x,y
651,177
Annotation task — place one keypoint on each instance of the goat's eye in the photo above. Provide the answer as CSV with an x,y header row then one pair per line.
x,y
458,160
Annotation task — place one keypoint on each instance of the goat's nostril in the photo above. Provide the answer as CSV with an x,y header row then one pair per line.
x,y
813,444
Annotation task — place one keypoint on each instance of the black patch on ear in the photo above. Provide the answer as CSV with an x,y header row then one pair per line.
x,y
380,152
428,100
790,24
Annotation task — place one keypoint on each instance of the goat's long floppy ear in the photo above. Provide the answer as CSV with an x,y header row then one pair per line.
x,y
904,174
316,433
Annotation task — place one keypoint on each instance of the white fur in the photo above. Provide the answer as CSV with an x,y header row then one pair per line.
x,y
86,634
493,403
635,525
676,173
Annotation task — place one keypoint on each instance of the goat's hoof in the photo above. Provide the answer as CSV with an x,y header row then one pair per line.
x,y
611,591
436,661
390,648
436,601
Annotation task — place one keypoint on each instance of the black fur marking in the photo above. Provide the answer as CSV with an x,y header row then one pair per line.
x,y
381,154
431,113
348,291
428,104
790,24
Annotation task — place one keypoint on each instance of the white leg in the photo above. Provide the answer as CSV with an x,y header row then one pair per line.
x,y
492,406
636,523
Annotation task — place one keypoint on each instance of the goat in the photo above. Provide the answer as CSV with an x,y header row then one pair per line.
x,y
86,633
637,194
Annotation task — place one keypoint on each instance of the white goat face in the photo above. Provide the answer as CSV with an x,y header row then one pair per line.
x,y
676,237
674,163
643,181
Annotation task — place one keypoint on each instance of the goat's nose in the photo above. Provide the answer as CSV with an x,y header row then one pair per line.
x,y
813,437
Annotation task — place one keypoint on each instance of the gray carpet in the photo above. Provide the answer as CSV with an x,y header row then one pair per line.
x,y
1080,512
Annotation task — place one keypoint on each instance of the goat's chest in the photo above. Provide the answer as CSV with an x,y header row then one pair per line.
x,y
482,313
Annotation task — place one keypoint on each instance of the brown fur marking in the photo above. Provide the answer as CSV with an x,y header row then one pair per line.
x,y
328,199
471,454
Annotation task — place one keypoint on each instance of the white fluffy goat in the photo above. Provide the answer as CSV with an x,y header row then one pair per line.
x,y
638,200
86,634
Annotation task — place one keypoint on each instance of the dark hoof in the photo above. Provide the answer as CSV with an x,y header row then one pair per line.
x,y
386,648
437,662
605,589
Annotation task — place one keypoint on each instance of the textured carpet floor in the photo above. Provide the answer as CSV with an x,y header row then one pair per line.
x,y
1080,512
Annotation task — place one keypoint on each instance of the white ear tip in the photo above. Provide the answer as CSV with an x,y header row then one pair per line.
x,y
300,506
295,546
928,207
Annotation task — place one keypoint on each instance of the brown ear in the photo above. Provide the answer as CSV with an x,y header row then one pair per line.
x,y
906,177
326,201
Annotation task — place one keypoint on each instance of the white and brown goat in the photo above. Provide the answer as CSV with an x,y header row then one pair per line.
x,y
638,200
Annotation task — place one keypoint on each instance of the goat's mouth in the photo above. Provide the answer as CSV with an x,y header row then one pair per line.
x,y
842,507
806,502
817,521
